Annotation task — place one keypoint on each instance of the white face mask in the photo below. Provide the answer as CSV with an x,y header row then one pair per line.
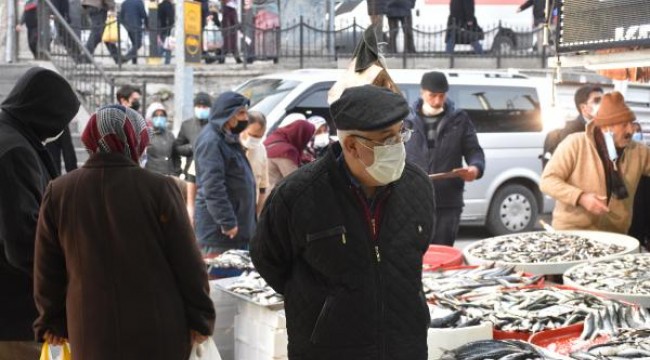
x,y
611,145
321,140
389,163
53,138
594,110
429,110
251,142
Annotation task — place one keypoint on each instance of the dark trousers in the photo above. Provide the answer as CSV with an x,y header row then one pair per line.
x,y
640,228
229,30
447,221
136,42
407,29
97,22
31,22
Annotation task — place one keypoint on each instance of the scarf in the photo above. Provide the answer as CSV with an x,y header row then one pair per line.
x,y
116,129
614,181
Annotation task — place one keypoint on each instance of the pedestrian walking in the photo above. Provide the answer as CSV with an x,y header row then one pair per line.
x,y
162,157
539,19
462,27
166,18
37,109
63,147
229,29
129,268
443,137
97,11
376,11
29,18
134,17
342,239
399,12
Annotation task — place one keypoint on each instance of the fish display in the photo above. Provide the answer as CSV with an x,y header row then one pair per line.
x,y
232,259
251,285
542,247
484,279
526,310
626,344
496,350
613,317
628,274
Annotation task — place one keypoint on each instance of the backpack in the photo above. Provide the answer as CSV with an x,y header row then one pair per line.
x,y
552,140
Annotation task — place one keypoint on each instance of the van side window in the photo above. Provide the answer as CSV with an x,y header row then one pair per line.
x,y
499,109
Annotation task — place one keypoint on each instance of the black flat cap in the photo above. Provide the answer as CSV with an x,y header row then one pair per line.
x,y
368,108
435,81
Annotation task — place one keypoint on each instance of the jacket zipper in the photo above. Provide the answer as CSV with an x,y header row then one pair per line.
x,y
339,230
319,321
371,219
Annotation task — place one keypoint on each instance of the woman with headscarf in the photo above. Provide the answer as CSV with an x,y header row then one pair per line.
x,y
285,148
117,270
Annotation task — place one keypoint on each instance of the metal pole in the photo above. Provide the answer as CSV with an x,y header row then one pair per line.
x,y
331,32
183,74
10,48
301,43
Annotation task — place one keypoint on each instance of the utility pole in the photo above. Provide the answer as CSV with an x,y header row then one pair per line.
x,y
183,74
10,44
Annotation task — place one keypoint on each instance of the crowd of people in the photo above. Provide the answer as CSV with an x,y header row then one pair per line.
x,y
109,257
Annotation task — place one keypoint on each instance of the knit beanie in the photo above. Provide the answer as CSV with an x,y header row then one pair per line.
x,y
434,81
613,110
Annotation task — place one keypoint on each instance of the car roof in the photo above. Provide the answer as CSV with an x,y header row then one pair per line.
x,y
413,76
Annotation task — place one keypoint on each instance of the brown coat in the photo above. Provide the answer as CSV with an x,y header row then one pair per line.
x,y
117,269
575,167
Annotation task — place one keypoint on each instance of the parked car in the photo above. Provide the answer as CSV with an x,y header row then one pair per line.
x,y
506,108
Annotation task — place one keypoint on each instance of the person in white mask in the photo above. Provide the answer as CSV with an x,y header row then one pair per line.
x,y
251,139
318,145
342,238
442,137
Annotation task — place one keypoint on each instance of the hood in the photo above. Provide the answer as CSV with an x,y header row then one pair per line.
x,y
152,109
43,101
225,107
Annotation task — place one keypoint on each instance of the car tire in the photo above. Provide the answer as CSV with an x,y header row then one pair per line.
x,y
503,45
513,209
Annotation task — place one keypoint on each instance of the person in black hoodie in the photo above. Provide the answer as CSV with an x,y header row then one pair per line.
x,y
37,109
442,137
352,276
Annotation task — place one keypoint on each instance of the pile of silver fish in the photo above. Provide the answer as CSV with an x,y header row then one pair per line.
x,y
446,316
629,274
494,349
627,344
481,280
542,247
251,285
528,310
232,259
613,317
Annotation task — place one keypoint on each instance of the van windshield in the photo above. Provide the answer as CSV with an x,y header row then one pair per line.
x,y
265,94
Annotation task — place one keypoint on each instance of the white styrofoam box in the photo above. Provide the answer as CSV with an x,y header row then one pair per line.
x,y
439,340
227,354
245,351
263,314
263,337
225,318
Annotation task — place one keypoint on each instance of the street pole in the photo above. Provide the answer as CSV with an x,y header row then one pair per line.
x,y
10,46
183,74
332,39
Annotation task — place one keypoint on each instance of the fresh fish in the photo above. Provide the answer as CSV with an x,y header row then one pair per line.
x,y
494,349
542,247
628,274
252,285
232,259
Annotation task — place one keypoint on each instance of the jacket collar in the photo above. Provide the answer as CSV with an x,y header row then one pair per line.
x,y
101,160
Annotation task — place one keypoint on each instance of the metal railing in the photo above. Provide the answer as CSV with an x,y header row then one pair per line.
x,y
304,40
60,43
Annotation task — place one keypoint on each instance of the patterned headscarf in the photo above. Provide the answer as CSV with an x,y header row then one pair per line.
x,y
116,129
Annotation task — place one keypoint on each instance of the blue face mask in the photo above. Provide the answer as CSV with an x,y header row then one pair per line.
x,y
201,113
159,122
611,146
637,136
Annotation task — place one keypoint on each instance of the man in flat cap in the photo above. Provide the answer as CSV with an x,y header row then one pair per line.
x,y
442,137
593,175
343,238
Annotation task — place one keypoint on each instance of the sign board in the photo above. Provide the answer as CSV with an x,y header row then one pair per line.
x,y
603,24
192,21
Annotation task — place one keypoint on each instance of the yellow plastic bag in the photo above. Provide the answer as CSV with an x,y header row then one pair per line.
x,y
46,354
110,30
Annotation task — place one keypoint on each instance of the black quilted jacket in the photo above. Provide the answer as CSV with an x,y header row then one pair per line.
x,y
351,277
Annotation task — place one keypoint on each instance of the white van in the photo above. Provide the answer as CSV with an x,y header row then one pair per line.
x,y
506,109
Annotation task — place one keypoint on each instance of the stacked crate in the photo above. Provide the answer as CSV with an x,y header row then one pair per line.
x,y
260,332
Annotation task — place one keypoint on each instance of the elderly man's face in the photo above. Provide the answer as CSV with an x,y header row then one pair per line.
x,y
435,100
622,133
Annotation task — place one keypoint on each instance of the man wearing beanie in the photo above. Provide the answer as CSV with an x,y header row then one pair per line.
x,y
442,137
351,276
593,175
184,143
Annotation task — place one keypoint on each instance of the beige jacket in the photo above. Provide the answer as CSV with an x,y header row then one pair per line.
x,y
259,164
575,167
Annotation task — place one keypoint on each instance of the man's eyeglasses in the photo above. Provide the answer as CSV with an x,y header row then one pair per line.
x,y
403,136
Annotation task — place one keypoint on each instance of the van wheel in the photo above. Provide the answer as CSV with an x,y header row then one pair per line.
x,y
503,45
513,209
